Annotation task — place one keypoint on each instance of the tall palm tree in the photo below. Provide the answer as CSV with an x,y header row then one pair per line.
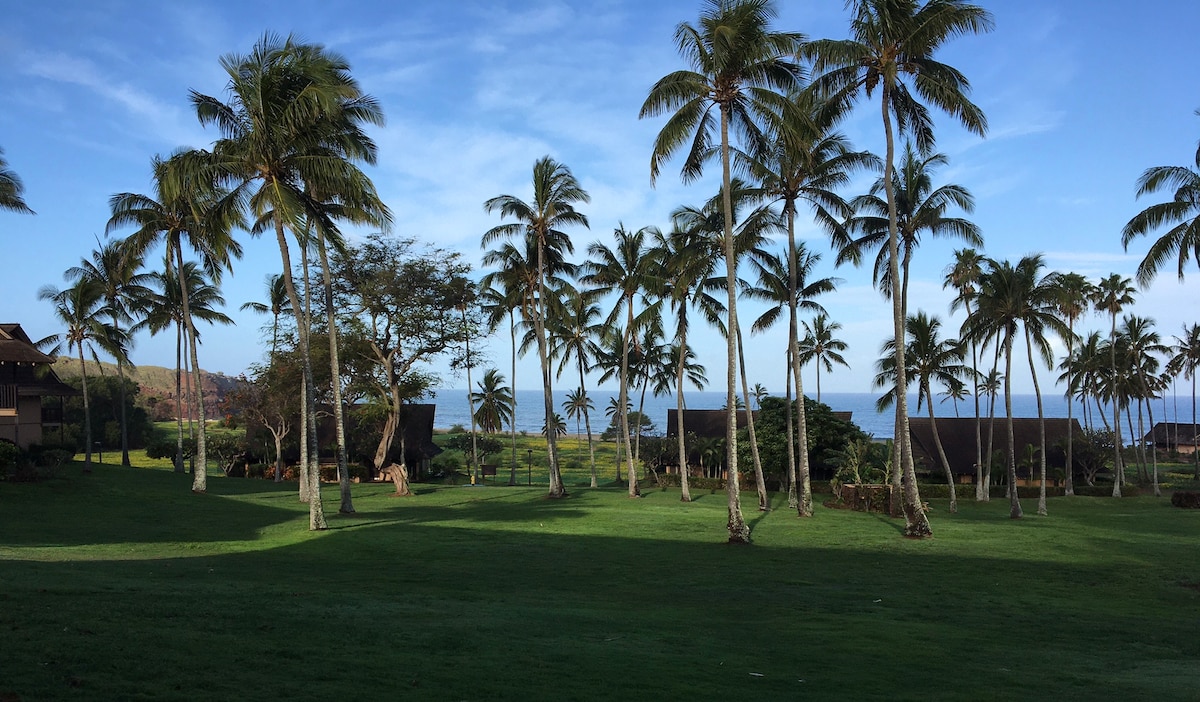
x,y
291,136
495,400
555,194
820,348
804,161
577,325
1112,295
736,64
184,207
1182,240
931,359
116,272
162,309
81,309
1186,361
632,269
1072,296
1142,345
12,190
892,44
963,276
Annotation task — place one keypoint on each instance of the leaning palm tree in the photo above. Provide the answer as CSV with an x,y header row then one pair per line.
x,y
737,63
1182,240
1186,361
12,190
633,270
963,276
1071,295
555,194
931,359
116,272
80,308
820,348
293,127
191,208
892,45
1112,294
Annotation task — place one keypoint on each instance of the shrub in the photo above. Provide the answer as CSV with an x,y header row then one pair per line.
x,y
1186,500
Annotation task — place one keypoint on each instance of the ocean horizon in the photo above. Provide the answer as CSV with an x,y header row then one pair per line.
x,y
452,409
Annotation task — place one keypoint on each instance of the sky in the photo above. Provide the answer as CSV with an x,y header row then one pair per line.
x,y
1080,100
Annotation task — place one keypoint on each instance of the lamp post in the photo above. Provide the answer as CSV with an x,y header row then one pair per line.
x,y
529,456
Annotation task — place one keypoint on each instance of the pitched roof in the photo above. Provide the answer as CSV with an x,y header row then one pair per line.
x,y
958,439
16,347
704,423
1171,433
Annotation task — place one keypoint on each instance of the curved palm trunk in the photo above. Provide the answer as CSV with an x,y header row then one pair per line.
x,y
339,419
623,402
1014,501
937,441
739,532
200,478
789,381
760,484
1037,391
685,493
556,485
587,423
316,511
916,522
803,501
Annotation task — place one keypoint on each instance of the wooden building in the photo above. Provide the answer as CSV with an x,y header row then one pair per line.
x,y
27,376
1177,436
958,441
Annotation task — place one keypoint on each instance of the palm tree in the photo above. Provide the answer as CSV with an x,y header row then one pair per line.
x,y
1186,361
495,400
1141,346
1182,240
12,190
80,308
576,328
1112,295
931,359
559,424
184,207
737,62
555,193
893,44
632,269
963,276
291,135
1071,297
276,306
115,272
162,308
577,406
820,347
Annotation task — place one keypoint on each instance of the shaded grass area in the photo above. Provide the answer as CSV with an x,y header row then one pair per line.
x,y
123,585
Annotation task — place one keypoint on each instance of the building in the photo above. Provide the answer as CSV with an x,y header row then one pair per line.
x,y
958,441
1177,436
27,376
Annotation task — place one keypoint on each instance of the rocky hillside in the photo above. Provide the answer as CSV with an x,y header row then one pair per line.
x,y
157,385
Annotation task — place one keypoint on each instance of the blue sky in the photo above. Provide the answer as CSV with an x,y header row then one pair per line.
x,y
1080,101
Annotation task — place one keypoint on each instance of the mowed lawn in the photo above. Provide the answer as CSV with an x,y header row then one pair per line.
x,y
124,585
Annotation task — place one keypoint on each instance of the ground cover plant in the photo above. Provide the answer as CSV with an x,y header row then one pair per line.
x,y
123,585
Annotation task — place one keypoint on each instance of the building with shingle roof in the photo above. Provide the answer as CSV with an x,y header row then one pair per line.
x,y
26,376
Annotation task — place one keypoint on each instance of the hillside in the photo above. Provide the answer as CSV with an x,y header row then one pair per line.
x,y
157,383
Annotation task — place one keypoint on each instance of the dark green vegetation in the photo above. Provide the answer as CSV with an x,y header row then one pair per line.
x,y
124,585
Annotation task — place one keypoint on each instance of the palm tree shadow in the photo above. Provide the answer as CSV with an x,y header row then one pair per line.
x,y
891,523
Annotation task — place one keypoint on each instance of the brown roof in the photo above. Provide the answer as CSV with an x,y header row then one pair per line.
x,y
1172,433
704,423
958,439
16,347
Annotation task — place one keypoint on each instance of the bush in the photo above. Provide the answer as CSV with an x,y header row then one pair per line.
x,y
1186,500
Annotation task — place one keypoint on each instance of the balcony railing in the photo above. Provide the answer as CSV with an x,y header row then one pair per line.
x,y
8,399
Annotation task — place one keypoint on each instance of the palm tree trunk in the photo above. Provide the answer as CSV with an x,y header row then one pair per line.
x,y
916,521
1069,488
803,502
1014,500
685,493
1037,392
87,414
1153,452
760,484
335,373
179,397
789,381
587,423
1118,468
739,532
316,511
981,488
937,441
200,479
512,420
471,404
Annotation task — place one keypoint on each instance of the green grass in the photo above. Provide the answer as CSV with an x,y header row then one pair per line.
x,y
123,585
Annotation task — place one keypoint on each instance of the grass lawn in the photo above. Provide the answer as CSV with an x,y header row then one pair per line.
x,y
123,585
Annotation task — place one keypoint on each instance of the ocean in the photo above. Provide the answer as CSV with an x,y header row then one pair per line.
x,y
452,409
